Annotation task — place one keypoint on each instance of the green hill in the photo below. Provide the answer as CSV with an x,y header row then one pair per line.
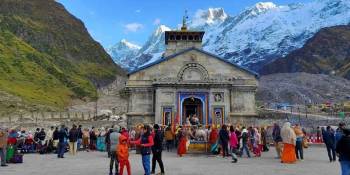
x,y
47,57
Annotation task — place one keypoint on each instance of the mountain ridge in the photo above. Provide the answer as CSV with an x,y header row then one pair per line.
x,y
261,33
328,52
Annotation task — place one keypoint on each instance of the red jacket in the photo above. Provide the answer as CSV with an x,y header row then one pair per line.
x,y
149,144
122,149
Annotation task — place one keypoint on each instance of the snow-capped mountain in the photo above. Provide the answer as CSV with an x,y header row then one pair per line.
x,y
258,35
123,52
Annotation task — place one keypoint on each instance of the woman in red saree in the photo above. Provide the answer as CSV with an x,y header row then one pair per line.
x,y
289,139
181,150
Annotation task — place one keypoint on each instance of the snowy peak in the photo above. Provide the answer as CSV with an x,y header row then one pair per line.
x,y
123,52
160,30
257,9
208,17
155,42
262,7
127,44
123,45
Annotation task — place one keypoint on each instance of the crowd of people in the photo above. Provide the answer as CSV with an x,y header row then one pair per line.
x,y
227,140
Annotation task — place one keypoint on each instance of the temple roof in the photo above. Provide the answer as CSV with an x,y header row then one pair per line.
x,y
199,50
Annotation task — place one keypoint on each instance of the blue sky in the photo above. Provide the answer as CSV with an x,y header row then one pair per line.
x,y
109,21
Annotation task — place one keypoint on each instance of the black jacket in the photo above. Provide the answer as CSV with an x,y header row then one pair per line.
x,y
224,137
343,148
55,135
62,135
73,135
158,141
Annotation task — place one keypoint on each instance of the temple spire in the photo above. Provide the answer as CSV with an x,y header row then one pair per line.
x,y
184,25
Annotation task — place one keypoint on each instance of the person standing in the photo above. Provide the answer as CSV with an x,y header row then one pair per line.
x,y
3,145
73,139
339,132
213,139
86,137
157,149
289,140
80,137
169,138
62,137
93,138
49,138
233,144
41,135
224,138
264,140
181,149
55,139
344,152
257,146
245,137
318,134
277,139
108,141
299,152
114,141
146,142
329,139
123,155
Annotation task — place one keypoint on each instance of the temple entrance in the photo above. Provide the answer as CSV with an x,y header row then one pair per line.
x,y
192,111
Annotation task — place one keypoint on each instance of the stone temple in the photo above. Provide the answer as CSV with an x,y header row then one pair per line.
x,y
188,81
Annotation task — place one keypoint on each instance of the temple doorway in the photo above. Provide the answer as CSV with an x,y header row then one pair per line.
x,y
192,111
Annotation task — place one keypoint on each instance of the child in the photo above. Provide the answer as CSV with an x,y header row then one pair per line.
x,y
123,154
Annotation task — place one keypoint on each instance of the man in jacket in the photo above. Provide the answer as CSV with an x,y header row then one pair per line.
x,y
276,135
157,149
62,136
114,141
80,137
329,140
3,145
344,152
224,138
73,139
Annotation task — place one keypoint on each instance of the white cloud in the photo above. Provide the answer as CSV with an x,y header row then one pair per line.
x,y
133,27
138,11
156,21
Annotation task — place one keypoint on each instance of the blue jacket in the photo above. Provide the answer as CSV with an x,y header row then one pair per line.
x,y
62,135
338,135
328,138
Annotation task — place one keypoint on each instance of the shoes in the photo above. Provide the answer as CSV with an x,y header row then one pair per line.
x,y
234,161
4,165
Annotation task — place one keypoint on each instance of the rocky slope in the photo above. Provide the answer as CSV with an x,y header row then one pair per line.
x,y
296,88
258,35
328,52
47,57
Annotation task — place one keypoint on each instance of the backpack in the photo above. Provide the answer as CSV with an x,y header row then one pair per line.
x,y
10,153
17,158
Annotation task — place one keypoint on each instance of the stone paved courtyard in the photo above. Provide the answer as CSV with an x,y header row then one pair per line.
x,y
96,163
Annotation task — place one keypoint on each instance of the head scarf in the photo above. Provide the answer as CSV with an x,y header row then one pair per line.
x,y
288,134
